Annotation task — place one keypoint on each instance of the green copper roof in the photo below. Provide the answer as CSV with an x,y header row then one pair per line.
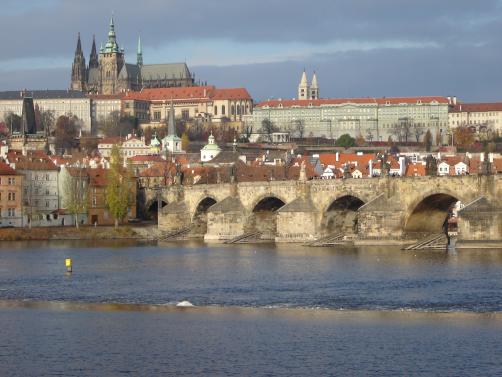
x,y
111,46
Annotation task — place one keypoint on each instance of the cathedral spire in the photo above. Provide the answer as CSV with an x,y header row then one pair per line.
x,y
78,69
303,88
93,59
314,88
139,53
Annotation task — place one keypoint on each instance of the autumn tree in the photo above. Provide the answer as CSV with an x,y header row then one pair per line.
x,y
360,140
65,133
118,187
75,193
185,141
463,137
116,125
45,120
299,127
417,131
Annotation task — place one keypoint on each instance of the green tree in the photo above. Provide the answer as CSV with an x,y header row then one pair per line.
x,y
345,141
75,193
118,187
428,141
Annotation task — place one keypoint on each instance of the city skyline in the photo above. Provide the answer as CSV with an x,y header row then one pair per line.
x,y
440,49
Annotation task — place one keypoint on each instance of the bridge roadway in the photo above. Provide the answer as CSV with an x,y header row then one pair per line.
x,y
368,209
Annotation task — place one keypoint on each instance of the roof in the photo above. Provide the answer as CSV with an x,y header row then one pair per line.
x,y
150,158
41,94
32,162
165,71
361,101
130,71
192,93
476,107
6,169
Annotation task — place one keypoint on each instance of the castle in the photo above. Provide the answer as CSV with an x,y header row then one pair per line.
x,y
108,73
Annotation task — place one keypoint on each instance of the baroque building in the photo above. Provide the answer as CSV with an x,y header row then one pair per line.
x,y
108,73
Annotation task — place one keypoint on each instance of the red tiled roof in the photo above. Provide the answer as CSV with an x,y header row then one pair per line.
x,y
476,107
340,101
231,94
106,96
111,140
191,94
415,170
6,169
141,158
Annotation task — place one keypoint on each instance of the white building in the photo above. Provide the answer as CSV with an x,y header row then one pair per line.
x,y
476,115
103,106
60,102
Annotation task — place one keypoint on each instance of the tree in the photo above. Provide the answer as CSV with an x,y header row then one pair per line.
x,y
300,127
118,187
428,141
75,199
268,127
369,135
463,137
345,141
13,122
117,125
185,141
4,130
247,131
417,131
360,140
65,133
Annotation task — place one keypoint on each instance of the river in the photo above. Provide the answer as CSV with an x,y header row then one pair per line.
x,y
259,310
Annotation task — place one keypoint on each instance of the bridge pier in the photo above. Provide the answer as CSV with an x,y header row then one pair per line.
x,y
225,220
381,219
480,225
297,222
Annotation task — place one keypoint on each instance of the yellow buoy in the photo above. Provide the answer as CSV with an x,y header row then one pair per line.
x,y
68,265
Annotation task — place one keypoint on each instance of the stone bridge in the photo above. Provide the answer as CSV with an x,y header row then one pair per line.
x,y
368,209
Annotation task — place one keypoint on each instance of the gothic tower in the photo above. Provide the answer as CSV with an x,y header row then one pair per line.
x,y
111,61
78,69
303,88
93,58
314,88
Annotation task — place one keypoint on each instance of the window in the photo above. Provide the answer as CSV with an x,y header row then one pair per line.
x,y
11,212
156,115
223,109
12,181
47,203
47,177
94,201
185,114
12,196
232,110
215,110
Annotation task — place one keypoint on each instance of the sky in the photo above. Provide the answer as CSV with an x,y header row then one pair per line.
x,y
359,48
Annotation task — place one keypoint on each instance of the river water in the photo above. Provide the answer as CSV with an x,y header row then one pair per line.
x,y
259,310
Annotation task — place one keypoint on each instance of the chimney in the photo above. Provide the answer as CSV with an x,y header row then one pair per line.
x,y
337,156
490,157
402,166
371,168
454,100
482,157
449,100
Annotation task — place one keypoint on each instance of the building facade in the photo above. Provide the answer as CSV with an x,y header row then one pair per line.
x,y
205,103
60,102
109,73
478,116
375,119
11,190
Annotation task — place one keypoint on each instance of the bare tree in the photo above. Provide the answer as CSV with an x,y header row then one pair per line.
x,y
417,131
369,135
299,127
268,127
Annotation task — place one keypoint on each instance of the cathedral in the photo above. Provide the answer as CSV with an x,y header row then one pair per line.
x,y
108,73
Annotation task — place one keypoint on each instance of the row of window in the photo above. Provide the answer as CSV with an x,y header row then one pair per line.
x,y
11,196
234,110
10,181
11,212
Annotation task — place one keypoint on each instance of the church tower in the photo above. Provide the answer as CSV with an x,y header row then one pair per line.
x,y
314,88
303,88
111,61
78,69
93,58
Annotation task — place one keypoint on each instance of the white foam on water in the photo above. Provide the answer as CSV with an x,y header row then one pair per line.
x,y
184,304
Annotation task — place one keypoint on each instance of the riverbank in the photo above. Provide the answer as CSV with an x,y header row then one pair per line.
x,y
83,233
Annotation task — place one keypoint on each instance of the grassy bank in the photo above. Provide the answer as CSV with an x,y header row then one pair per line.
x,y
71,233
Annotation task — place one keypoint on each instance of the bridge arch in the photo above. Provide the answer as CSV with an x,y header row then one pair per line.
x,y
152,208
263,216
199,218
340,215
429,212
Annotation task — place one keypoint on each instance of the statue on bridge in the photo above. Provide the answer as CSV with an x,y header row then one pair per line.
x,y
431,166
